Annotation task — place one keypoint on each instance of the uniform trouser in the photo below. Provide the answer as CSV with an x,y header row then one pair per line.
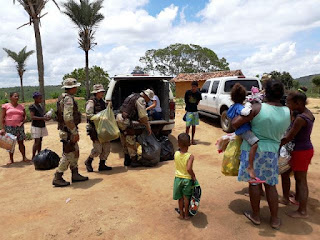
x,y
69,159
100,149
129,144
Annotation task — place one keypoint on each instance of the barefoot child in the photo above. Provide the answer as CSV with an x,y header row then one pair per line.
x,y
303,149
184,176
238,95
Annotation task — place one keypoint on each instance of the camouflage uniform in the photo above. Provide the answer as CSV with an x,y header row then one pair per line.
x,y
68,118
94,106
127,137
70,153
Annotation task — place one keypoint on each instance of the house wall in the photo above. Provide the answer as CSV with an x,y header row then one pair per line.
x,y
182,87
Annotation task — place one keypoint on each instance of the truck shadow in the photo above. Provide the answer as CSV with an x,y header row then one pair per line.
x,y
215,122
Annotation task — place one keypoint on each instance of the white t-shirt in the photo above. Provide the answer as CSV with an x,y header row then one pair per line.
x,y
157,108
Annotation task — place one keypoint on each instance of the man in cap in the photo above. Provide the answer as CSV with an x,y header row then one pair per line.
x,y
133,109
68,117
95,105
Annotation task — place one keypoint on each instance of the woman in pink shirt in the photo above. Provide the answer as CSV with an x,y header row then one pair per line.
x,y
12,118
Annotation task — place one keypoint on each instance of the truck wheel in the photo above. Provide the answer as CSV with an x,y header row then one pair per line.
x,y
225,122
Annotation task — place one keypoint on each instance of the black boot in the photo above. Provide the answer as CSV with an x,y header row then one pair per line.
x,y
127,160
76,177
58,181
88,164
135,163
103,166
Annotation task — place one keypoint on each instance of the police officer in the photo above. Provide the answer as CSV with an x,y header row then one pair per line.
x,y
94,105
68,117
133,109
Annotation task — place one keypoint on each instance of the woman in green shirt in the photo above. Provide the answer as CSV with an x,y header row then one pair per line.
x,y
269,121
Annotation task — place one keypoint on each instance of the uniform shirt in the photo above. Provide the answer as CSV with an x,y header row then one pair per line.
x,y
68,103
180,162
141,108
90,109
14,115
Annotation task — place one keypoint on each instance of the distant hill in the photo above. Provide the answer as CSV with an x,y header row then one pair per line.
x,y
306,80
50,91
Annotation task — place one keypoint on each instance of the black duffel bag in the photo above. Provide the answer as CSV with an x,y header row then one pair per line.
x,y
46,160
167,149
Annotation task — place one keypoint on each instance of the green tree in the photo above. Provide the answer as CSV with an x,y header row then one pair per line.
x,y
316,81
283,77
20,59
186,58
34,9
87,17
96,74
296,84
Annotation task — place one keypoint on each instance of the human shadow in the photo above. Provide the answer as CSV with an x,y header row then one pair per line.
x,y
198,142
200,220
20,164
215,122
115,170
160,164
86,184
289,225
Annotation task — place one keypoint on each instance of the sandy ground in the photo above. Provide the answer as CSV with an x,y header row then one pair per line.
x,y
137,203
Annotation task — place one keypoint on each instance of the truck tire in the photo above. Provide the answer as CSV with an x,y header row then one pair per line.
x,y
225,122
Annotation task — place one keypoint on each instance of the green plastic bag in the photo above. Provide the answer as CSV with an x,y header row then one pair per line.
x,y
231,157
106,125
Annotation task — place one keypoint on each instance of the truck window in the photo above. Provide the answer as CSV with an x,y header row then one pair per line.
x,y
248,84
215,86
205,87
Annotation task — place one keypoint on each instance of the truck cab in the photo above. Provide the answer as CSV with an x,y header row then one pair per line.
x,y
121,86
216,98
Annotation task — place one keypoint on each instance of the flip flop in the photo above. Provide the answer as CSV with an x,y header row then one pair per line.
x,y
276,226
177,210
256,180
293,201
248,215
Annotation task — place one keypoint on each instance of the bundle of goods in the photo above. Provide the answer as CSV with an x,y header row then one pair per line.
x,y
8,142
223,142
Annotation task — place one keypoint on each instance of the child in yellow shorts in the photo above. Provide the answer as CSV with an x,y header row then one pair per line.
x,y
184,175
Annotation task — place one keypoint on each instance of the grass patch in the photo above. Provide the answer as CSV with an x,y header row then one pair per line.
x,y
28,136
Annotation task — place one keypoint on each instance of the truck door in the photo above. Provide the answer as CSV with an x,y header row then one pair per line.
x,y
213,97
203,104
165,100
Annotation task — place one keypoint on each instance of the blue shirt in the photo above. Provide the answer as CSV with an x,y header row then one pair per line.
x,y
234,111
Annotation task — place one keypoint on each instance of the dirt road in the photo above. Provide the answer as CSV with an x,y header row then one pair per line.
x,y
137,203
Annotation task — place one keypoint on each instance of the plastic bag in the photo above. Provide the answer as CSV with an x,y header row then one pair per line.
x,y
151,149
195,199
167,149
106,125
222,142
8,142
284,157
46,160
231,157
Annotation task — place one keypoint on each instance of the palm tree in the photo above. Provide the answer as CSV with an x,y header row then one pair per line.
x,y
34,9
20,58
86,17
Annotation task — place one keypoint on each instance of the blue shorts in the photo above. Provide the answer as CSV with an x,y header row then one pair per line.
x,y
192,119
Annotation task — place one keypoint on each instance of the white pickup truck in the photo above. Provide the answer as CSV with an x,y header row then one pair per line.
x,y
121,86
216,98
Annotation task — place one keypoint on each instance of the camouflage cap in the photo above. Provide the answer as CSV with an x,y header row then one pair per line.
x,y
149,93
70,83
98,88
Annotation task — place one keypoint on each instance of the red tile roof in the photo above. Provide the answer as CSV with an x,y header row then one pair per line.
x,y
189,77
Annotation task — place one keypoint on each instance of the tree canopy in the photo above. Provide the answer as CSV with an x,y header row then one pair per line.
x,y
182,58
283,77
96,75
316,81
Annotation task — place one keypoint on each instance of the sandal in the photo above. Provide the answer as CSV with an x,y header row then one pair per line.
x,y
248,215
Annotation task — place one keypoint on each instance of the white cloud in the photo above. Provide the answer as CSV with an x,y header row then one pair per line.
x,y
254,35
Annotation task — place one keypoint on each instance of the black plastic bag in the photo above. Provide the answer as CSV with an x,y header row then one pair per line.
x,y
151,149
46,160
167,149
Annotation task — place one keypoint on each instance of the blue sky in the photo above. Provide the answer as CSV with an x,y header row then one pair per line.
x,y
256,36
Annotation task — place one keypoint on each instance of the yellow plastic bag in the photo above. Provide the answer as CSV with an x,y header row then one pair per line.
x,y
231,157
106,125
